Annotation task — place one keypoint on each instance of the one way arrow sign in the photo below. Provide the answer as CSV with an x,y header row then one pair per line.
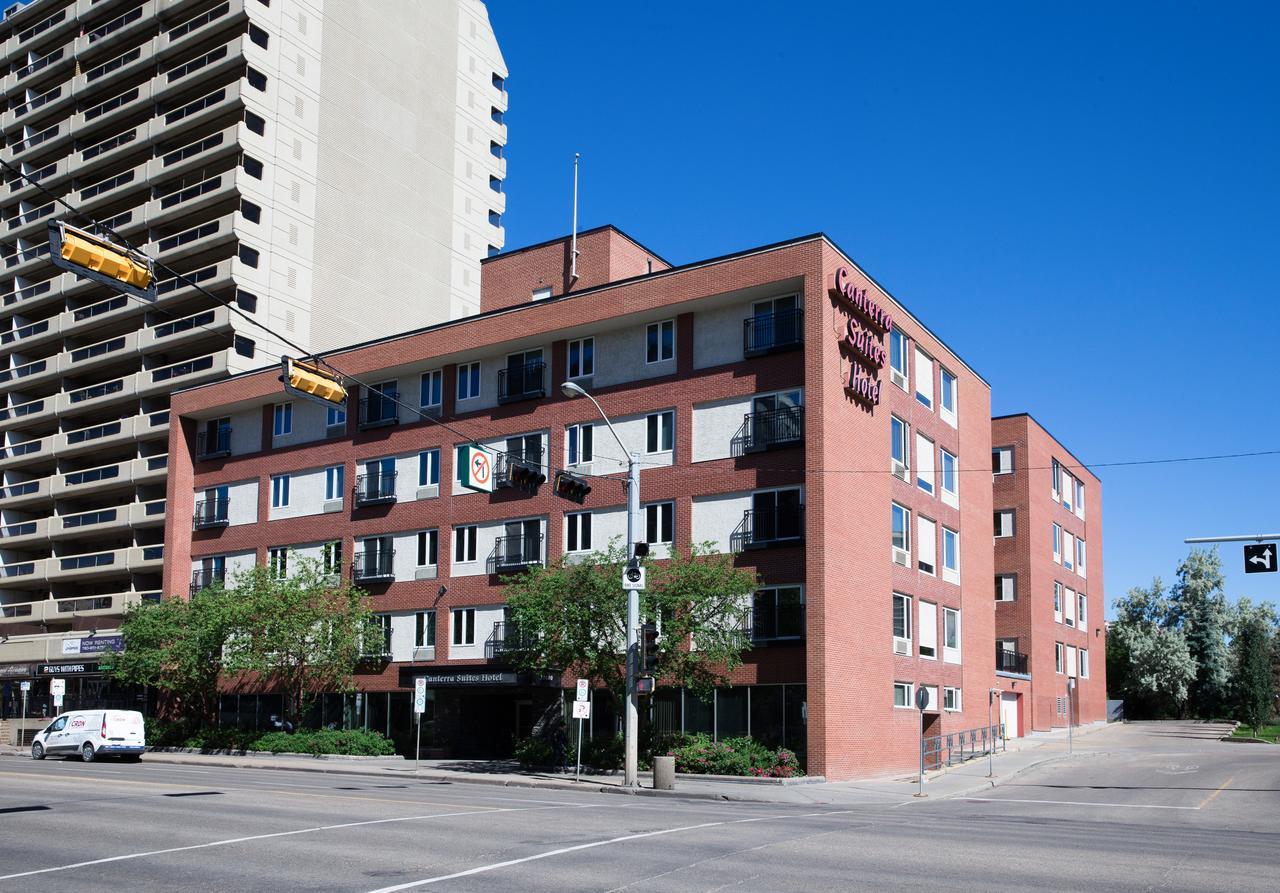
x,y
1260,558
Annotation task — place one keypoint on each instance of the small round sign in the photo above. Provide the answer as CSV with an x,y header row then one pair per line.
x,y
922,698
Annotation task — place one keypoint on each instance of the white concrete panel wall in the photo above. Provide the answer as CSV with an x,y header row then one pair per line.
x,y
405,561
404,626
486,617
242,503
235,563
606,525
714,425
306,495
634,432
308,424
620,358
717,336
246,432
716,517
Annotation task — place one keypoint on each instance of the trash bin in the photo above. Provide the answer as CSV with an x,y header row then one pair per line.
x,y
664,773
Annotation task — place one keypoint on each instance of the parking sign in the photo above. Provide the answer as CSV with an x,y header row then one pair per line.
x,y
420,694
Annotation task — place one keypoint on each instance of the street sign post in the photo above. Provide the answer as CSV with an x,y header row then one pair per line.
x,y
582,713
583,690
419,708
25,686
1260,558
1071,688
922,701
57,688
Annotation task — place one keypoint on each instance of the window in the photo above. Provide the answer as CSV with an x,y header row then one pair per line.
x,y
950,555
464,544
951,635
1068,551
582,358
1071,660
659,522
778,613
495,219
331,557
900,447
950,698
335,417
282,420
947,399
1069,606
928,630
660,341
1084,663
468,381
253,167
498,82
379,634
1082,609
463,622
257,80
429,468
924,378
1059,657
902,694
1057,602
579,439
424,629
902,622
1002,460
901,535
898,358
1004,523
1055,478
495,149
1080,557
495,183
927,547
258,36
1006,587
431,394
1068,490
659,431
578,534
278,561
255,123
279,491
950,479
1057,543
1080,498
428,548
335,482
924,464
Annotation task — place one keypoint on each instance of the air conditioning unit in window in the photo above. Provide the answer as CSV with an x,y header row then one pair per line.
x,y
898,378
425,652
901,646
900,471
901,557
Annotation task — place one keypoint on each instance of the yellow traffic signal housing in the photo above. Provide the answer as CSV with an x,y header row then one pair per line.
x,y
95,258
309,381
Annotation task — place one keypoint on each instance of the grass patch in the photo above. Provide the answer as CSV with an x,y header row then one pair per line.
x,y
1266,733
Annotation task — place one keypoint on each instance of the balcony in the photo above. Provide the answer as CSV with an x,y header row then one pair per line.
x,y
374,567
770,430
507,638
15,534
33,333
94,437
86,522
25,492
375,489
772,332
30,293
29,374
76,361
25,452
379,410
207,577
213,444
765,528
181,375
513,554
46,609
1011,663
210,513
147,514
91,564
523,471
527,382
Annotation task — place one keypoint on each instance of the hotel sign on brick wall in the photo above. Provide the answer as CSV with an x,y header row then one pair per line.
x,y
866,325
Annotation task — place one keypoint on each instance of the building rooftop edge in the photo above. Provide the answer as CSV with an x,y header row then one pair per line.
x,y
582,232
1056,439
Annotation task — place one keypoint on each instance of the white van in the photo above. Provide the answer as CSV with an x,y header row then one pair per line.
x,y
90,734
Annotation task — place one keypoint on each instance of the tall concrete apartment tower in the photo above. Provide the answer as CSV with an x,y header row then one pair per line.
x,y
333,169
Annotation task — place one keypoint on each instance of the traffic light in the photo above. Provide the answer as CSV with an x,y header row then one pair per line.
x,y
93,257
648,648
525,475
572,487
309,381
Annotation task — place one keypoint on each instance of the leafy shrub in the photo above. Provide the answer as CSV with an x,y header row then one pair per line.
x,y
699,755
533,752
604,754
348,742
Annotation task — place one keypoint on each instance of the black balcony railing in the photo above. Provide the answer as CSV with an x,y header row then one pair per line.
x,y
769,430
505,639
203,579
522,470
762,528
525,382
772,622
512,554
375,489
214,444
210,513
1011,662
379,409
772,332
374,567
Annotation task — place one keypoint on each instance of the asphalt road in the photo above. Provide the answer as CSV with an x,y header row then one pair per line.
x,y
1141,808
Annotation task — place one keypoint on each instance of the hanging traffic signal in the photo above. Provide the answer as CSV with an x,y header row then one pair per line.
x,y
571,487
95,258
309,381
524,474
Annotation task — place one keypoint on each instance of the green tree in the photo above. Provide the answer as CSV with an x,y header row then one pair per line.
x,y
1254,683
300,634
1151,660
572,616
1199,609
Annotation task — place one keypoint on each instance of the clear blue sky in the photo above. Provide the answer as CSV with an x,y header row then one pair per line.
x,y
1082,201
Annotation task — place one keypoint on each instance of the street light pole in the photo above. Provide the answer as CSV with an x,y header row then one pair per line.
x,y
635,523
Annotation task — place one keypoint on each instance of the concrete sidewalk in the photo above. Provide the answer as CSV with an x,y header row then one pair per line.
x,y
966,779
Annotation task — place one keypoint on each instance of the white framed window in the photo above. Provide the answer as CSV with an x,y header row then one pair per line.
x,y
1059,657
424,629
431,396
950,483
1084,663
927,545
278,561
335,417
279,491
900,448
1071,660
901,521
428,548
1069,606
659,522
1080,557
1055,479
1082,609
468,381
901,623
1002,460
951,635
464,544
541,294
902,695
1068,490
1057,543
429,468
580,442
282,420
927,631
335,477
924,464
1057,602
1006,587
331,557
950,555
462,623
659,431
660,341
1080,499
381,635
1004,523
951,699
947,399
924,378
577,532
898,358
1068,551
581,360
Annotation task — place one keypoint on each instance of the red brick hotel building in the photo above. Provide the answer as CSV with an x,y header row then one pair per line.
x,y
788,409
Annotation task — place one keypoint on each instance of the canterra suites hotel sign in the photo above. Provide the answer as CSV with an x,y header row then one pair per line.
x,y
866,327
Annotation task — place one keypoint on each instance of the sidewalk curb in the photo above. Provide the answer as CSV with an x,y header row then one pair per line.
x,y
992,783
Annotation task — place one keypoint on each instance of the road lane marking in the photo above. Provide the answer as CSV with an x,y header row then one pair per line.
x,y
484,869
1222,787
1071,803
